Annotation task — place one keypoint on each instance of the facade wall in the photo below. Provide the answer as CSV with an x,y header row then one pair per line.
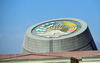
x,y
91,59
43,60
81,42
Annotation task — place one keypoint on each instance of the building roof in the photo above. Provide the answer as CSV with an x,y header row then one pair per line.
x,y
75,54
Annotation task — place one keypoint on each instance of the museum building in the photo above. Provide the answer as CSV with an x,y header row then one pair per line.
x,y
63,40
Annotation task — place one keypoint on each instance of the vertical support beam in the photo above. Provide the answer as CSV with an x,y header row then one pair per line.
x,y
51,45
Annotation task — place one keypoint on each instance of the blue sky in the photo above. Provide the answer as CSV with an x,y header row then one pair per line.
x,y
17,15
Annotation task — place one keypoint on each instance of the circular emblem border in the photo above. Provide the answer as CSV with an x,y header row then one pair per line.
x,y
42,30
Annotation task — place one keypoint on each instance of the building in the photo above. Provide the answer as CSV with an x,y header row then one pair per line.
x,y
64,40
58,35
53,57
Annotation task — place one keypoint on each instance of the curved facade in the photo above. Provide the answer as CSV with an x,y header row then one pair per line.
x,y
58,35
